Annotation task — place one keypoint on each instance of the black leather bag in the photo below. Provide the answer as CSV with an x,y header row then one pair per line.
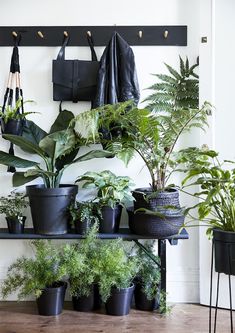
x,y
74,80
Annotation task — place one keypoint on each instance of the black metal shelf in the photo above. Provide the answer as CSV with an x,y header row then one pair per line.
x,y
123,233
134,35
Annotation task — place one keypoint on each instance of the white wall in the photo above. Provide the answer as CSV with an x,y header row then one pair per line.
x,y
183,271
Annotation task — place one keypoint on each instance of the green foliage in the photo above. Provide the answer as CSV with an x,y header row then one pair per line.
x,y
12,113
111,189
85,211
217,189
57,151
164,308
13,205
29,276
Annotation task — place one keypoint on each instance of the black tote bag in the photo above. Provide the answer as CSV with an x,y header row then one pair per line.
x,y
74,80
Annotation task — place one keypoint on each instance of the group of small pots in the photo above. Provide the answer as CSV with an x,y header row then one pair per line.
x,y
51,301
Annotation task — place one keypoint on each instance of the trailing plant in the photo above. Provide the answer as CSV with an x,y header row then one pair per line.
x,y
85,211
153,132
13,205
217,189
111,189
29,276
57,150
12,113
113,267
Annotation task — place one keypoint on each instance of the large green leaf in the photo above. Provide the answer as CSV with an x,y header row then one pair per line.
x,y
92,154
14,161
24,144
19,179
32,133
62,121
66,159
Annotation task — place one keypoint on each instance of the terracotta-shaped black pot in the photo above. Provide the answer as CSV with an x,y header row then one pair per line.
x,y
110,221
142,302
13,126
88,303
15,226
51,301
82,227
119,303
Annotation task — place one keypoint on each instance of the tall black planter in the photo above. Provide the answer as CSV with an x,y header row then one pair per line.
x,y
51,301
119,303
49,208
88,303
142,302
110,221
224,244
15,226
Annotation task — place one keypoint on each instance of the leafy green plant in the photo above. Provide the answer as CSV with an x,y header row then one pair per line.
x,y
57,150
12,113
86,210
217,190
111,189
13,205
29,276
153,132
113,266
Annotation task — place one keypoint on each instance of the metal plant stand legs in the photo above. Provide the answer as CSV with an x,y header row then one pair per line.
x,y
217,294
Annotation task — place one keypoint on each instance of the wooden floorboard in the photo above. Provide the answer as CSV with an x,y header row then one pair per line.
x,y
185,318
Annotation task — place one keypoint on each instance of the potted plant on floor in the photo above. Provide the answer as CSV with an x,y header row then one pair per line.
x,y
13,207
216,208
83,278
154,133
84,215
116,271
112,192
58,150
41,276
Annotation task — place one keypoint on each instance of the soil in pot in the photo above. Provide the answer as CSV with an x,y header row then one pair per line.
x,y
119,303
142,302
224,246
15,226
51,301
49,208
169,197
110,221
88,303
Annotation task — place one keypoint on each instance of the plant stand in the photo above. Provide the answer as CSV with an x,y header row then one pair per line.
x,y
217,291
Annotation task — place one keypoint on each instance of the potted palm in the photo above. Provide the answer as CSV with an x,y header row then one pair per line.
x,y
115,270
216,208
41,276
57,150
112,192
84,215
13,207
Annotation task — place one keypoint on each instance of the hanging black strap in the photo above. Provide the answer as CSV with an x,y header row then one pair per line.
x,y
75,82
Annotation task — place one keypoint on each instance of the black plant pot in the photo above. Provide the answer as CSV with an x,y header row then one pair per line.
x,y
13,126
110,221
170,197
49,208
51,301
119,303
88,303
82,227
15,226
156,226
142,302
224,245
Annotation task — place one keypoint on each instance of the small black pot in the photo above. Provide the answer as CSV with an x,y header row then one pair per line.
x,y
15,226
224,244
13,126
49,208
142,302
88,303
82,227
119,303
51,301
169,197
110,221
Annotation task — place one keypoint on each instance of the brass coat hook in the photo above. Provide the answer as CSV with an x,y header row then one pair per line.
x,y
140,33
89,33
66,34
14,34
40,34
165,34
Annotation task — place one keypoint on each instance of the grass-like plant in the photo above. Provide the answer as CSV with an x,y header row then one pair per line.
x,y
12,112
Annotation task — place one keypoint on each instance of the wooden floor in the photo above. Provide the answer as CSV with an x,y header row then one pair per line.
x,y
185,318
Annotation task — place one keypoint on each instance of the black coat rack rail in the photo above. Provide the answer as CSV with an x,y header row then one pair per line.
x,y
134,35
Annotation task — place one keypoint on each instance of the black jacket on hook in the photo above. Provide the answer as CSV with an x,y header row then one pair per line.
x,y
117,78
